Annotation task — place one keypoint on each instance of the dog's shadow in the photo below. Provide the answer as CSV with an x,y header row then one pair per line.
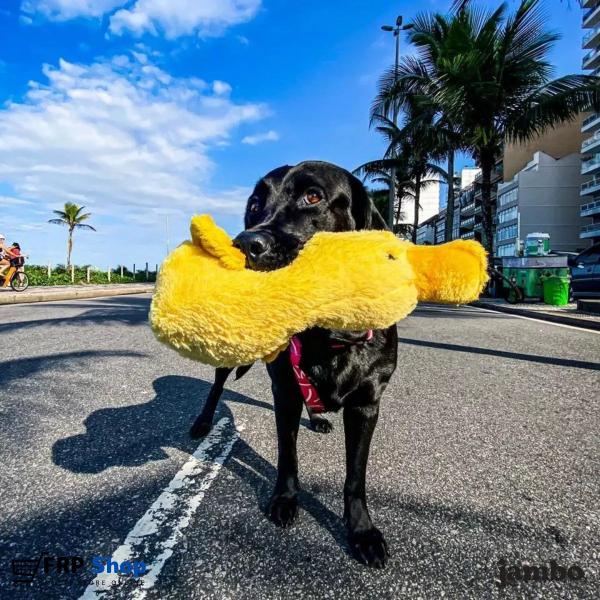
x,y
133,435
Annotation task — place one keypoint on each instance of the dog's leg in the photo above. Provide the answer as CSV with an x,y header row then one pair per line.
x,y
283,507
318,422
365,539
203,424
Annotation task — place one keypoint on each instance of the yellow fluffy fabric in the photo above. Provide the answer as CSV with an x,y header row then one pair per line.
x,y
210,308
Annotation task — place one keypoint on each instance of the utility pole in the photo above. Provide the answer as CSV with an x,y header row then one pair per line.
x,y
167,231
396,31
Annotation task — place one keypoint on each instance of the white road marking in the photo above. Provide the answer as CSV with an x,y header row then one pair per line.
x,y
539,321
155,535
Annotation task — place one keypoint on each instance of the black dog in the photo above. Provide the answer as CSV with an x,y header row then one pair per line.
x,y
203,424
286,208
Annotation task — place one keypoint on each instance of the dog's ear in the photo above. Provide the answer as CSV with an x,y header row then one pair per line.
x,y
365,215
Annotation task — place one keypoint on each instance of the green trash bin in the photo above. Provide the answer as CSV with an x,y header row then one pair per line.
x,y
556,290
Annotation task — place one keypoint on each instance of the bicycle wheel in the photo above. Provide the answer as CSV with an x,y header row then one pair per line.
x,y
19,282
514,295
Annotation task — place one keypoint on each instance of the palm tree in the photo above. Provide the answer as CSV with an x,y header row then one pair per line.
x,y
380,172
418,141
73,218
487,73
410,180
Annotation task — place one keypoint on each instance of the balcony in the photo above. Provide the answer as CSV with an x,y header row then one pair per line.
x,y
591,17
590,231
590,165
591,60
469,235
591,208
590,122
468,209
590,145
591,38
467,223
591,186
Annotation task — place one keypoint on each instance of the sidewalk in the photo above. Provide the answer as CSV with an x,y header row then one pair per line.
x,y
567,315
72,292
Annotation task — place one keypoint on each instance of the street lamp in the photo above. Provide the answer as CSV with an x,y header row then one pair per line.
x,y
396,31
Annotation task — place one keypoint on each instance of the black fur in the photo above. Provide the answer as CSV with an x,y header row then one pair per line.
x,y
279,220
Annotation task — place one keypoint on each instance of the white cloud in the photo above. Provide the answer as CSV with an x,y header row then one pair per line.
x,y
63,10
11,201
182,17
173,18
221,88
268,136
123,137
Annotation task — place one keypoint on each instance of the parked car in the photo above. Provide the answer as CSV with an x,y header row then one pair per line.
x,y
585,273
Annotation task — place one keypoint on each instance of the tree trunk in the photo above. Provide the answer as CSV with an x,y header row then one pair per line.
x,y
391,199
450,202
487,165
417,199
69,248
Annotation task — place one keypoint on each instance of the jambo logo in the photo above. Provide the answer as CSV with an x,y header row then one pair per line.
x,y
105,564
511,574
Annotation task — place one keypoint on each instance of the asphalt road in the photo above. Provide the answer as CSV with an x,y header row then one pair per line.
x,y
487,448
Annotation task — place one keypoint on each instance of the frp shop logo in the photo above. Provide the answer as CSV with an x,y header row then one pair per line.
x,y
25,570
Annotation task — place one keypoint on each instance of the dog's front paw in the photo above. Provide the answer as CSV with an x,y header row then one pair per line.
x,y
370,547
283,510
321,424
200,429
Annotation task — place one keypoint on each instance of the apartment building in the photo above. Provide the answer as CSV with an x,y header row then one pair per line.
x,y
543,196
590,147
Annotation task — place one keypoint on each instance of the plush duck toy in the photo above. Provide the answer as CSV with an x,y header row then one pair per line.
x,y
209,307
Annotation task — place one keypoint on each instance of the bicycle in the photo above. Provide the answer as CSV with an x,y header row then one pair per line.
x,y
15,276
511,292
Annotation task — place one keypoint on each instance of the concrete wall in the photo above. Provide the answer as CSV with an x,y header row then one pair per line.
x,y
549,201
558,142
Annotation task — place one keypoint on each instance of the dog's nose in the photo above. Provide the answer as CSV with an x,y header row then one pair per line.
x,y
252,243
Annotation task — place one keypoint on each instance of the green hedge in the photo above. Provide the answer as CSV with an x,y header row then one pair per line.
x,y
38,275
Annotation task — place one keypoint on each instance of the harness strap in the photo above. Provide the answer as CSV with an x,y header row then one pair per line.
x,y
312,400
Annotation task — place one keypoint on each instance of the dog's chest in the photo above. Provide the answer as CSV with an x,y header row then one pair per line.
x,y
339,374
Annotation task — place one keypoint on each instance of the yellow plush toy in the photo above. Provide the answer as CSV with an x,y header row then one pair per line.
x,y
209,307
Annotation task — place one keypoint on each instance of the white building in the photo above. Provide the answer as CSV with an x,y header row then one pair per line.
x,y
429,202
590,148
468,175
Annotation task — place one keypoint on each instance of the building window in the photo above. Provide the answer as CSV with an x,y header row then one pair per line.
x,y
508,197
508,215
506,250
505,233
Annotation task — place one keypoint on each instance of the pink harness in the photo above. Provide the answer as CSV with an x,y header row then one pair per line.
x,y
312,400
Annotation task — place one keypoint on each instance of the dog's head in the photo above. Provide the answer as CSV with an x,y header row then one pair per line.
x,y
290,204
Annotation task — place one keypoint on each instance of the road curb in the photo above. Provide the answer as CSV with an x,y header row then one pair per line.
x,y
541,316
71,294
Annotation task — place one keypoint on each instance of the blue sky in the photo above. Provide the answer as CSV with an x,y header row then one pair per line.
x,y
152,110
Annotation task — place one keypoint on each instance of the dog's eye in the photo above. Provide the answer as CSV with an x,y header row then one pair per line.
x,y
312,197
254,206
